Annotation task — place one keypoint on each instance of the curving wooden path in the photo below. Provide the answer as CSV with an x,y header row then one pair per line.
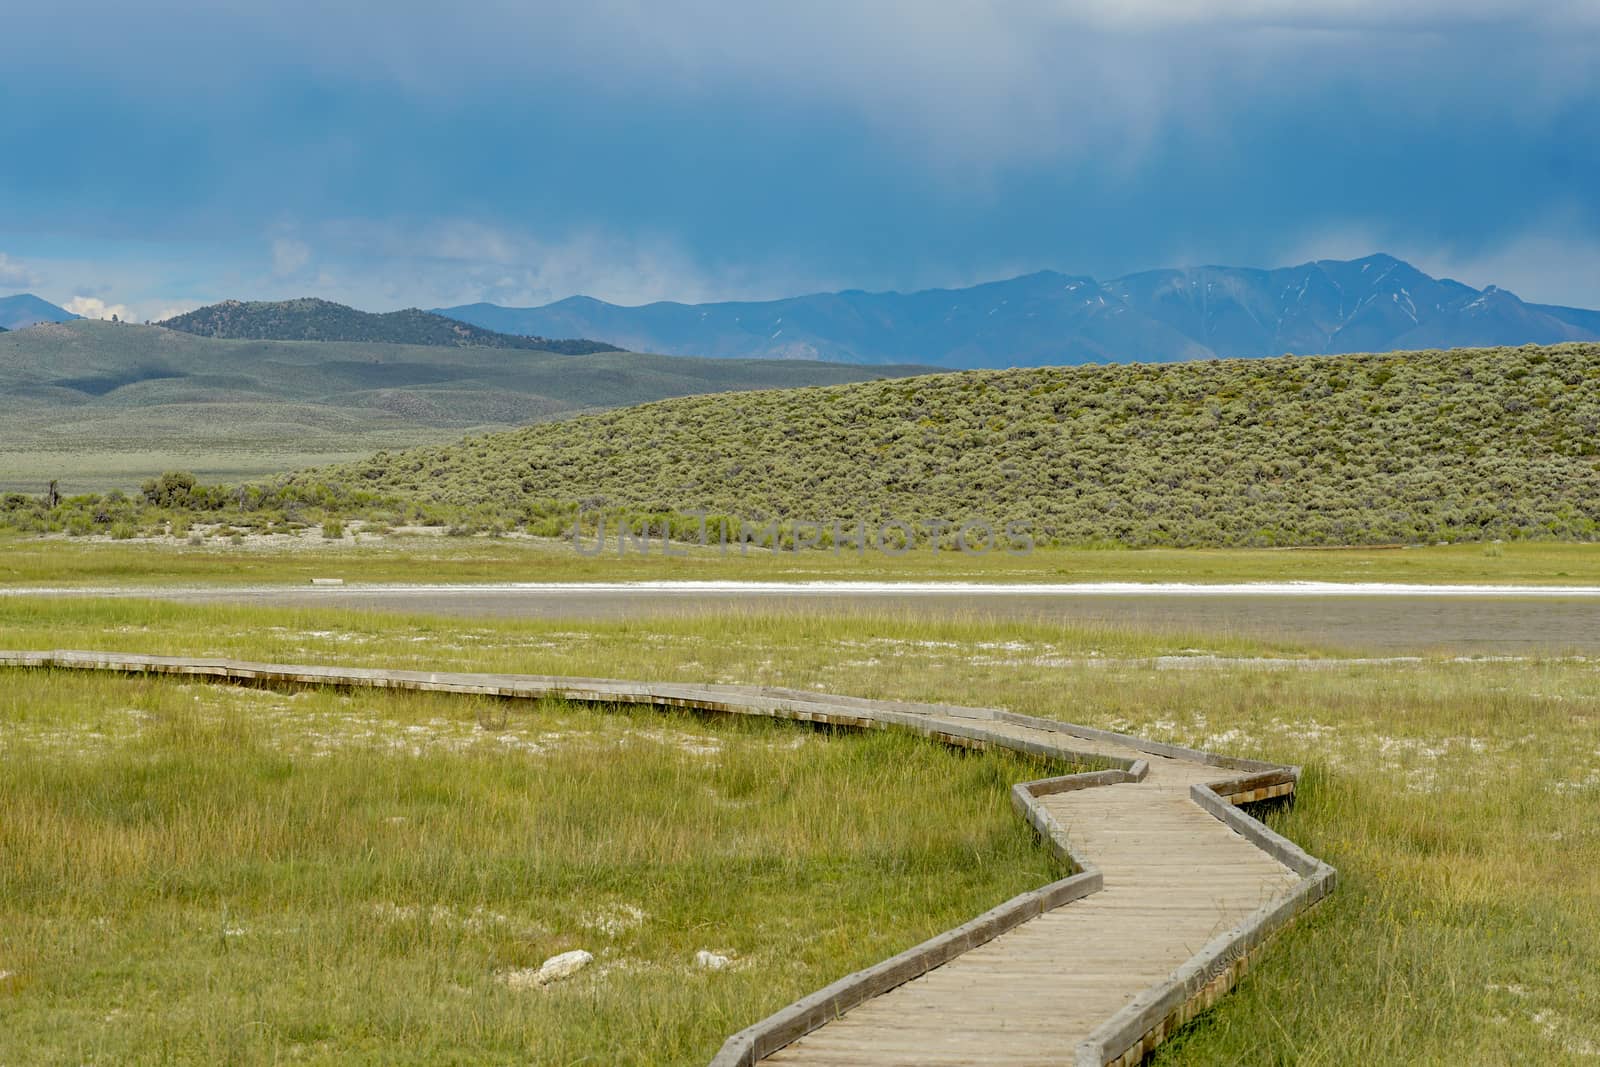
x,y
1173,890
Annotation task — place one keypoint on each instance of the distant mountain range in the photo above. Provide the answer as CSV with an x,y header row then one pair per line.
x,y
310,319
1378,303
25,309
1375,304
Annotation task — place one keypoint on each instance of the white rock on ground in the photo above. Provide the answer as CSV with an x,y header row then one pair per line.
x,y
710,961
553,969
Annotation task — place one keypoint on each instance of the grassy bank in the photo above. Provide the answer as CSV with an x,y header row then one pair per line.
x,y
364,557
1458,799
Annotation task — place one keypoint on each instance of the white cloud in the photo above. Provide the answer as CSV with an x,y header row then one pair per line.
x,y
380,265
289,255
976,82
91,307
1344,241
15,275
1330,14
1541,267
975,87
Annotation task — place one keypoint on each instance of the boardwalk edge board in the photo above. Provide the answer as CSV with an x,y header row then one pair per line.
x,y
750,1045
1123,1039
1132,1033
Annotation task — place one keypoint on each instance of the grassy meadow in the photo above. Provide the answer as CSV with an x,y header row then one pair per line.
x,y
1458,798
361,555
102,407
200,874
81,452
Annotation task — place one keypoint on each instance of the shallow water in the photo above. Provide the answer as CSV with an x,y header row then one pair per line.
x,y
1486,624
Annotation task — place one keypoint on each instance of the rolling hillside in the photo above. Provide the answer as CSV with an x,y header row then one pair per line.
x,y
1405,447
1367,305
101,405
309,319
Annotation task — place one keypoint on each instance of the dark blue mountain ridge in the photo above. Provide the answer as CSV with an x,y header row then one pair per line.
x,y
24,309
1378,303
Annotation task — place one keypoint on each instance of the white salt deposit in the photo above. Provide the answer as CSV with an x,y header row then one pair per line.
x,y
553,969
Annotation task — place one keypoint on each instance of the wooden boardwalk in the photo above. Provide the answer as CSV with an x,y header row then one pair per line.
x,y
1174,879
1172,892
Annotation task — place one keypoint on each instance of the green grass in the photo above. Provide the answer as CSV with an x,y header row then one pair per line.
x,y
1459,800
310,319
293,561
1404,448
197,874
1407,447
97,465
99,407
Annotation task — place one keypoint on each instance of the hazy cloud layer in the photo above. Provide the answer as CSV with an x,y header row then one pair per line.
x,y
400,153
14,275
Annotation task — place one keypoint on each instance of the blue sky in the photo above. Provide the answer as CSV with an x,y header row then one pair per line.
x,y
162,155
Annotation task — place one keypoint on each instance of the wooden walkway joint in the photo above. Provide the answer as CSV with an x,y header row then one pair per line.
x,y
1173,891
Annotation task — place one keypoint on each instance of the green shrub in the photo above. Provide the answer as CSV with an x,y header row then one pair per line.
x,y
171,490
1459,446
1408,447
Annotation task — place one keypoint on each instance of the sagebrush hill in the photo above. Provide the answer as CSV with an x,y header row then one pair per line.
x,y
100,406
1364,449
311,319
1375,304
